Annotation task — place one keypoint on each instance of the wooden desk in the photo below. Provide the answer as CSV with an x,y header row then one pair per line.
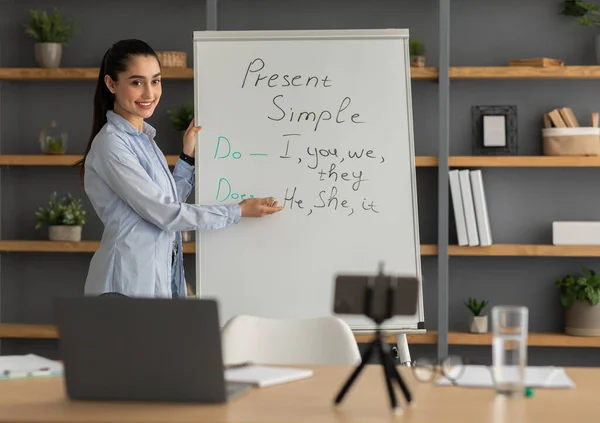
x,y
310,400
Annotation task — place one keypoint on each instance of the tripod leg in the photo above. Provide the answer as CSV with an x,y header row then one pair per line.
x,y
393,372
355,373
388,375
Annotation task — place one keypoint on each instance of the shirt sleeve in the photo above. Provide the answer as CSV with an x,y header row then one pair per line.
x,y
183,174
118,166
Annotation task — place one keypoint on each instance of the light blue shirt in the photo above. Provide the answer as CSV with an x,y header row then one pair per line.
x,y
143,209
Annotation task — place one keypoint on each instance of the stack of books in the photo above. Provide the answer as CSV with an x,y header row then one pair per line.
x,y
470,208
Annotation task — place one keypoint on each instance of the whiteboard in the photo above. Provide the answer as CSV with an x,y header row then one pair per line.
x,y
322,121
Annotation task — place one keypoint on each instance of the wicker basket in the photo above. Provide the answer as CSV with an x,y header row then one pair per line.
x,y
172,59
583,141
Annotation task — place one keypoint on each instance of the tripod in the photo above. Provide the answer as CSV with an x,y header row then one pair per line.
x,y
378,346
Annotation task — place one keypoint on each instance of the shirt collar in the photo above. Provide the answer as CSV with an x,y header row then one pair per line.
x,y
123,124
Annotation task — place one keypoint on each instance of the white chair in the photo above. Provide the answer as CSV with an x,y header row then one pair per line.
x,y
323,340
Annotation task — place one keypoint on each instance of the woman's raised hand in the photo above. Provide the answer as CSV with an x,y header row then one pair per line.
x,y
189,139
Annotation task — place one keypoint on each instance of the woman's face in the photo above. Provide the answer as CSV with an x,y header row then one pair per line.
x,y
137,90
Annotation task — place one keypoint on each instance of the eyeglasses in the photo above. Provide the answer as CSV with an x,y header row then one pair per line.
x,y
451,367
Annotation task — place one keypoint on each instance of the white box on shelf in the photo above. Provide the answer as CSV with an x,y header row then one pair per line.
x,y
575,233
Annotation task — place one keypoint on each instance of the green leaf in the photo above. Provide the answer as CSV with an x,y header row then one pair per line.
x,y
567,301
416,48
181,117
475,306
64,211
49,28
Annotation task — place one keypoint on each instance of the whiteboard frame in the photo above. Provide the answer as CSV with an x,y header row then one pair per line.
x,y
325,35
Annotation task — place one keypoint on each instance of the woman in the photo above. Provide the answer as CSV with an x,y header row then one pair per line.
x,y
126,177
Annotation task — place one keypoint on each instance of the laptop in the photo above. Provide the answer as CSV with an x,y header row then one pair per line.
x,y
142,349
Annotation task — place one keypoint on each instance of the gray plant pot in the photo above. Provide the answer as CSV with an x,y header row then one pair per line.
x,y
479,324
597,45
582,319
48,55
64,233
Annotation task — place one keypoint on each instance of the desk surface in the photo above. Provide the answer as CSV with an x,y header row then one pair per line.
x,y
310,400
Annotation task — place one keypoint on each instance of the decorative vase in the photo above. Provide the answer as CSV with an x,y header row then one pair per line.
x,y
479,324
64,233
52,139
417,61
582,319
48,55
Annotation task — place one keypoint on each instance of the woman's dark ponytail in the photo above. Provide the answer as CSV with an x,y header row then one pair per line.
x,y
114,62
103,101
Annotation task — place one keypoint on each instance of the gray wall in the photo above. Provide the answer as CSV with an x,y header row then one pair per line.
x,y
522,202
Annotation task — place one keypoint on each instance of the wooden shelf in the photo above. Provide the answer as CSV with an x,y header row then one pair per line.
x,y
52,160
92,246
420,161
524,72
70,160
427,73
28,331
536,339
85,74
524,161
76,74
497,250
525,250
512,161
64,247
426,161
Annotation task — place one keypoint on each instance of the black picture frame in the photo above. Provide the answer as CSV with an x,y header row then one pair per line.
x,y
510,113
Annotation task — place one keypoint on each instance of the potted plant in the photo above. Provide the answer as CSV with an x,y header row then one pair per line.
x,y
51,32
479,323
64,217
587,14
580,296
181,117
417,54
52,139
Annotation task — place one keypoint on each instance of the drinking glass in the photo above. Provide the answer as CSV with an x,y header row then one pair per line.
x,y
509,349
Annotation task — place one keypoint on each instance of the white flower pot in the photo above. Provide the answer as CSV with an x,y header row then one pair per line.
x,y
48,55
64,233
479,324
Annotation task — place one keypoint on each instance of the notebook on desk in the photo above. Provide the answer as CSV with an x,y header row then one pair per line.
x,y
28,365
262,376
479,376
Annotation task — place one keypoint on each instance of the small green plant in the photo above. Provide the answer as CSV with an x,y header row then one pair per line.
x,y
417,48
55,145
587,13
64,211
585,287
46,27
181,117
475,306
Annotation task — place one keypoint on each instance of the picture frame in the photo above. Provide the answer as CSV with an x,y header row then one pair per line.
x,y
492,136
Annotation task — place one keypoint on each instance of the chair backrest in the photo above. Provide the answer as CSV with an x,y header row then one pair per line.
x,y
322,340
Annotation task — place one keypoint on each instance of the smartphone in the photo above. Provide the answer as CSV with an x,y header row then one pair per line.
x,y
379,297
